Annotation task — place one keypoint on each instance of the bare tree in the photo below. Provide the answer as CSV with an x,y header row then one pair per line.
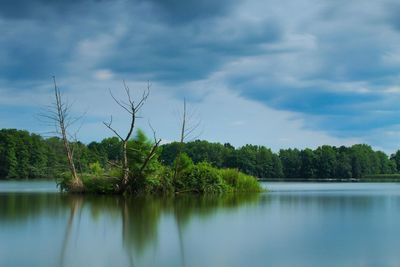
x,y
132,108
188,128
59,114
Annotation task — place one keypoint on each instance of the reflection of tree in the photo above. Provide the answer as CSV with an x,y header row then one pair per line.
x,y
327,201
17,207
139,216
76,205
181,245
185,207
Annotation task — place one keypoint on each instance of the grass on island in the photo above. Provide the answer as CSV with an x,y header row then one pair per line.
x,y
201,178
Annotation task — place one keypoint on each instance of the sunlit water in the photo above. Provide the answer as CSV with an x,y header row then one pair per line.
x,y
295,224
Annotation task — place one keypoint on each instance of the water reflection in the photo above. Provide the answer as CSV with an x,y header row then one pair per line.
x,y
139,218
75,203
315,227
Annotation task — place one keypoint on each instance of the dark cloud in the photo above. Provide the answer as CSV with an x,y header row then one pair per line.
x,y
309,100
183,11
324,60
174,11
392,15
28,51
39,38
25,9
191,52
44,34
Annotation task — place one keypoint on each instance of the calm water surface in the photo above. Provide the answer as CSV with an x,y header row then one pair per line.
x,y
295,224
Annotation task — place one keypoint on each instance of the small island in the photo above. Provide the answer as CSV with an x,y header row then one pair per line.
x,y
135,168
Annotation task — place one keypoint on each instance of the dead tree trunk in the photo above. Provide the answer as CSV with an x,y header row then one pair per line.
x,y
187,130
181,141
59,113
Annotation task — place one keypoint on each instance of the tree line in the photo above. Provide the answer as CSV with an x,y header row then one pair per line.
x,y
357,161
25,155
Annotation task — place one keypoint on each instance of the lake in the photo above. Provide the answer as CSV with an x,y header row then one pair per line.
x,y
295,224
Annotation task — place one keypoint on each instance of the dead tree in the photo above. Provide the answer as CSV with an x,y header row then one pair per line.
x,y
188,128
59,115
132,109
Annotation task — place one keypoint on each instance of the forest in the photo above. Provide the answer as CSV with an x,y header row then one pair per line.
x,y
357,161
25,155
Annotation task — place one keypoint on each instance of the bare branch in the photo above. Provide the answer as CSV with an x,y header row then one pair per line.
x,y
120,103
154,132
145,95
192,129
128,93
150,155
133,149
108,125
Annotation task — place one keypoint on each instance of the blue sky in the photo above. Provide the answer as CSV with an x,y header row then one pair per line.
x,y
276,73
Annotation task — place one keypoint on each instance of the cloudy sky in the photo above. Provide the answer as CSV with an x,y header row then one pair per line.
x,y
273,72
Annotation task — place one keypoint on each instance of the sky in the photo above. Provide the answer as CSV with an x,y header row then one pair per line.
x,y
275,73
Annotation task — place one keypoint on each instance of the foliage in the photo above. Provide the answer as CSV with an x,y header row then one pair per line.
x,y
240,182
99,184
201,178
357,161
160,182
138,149
96,169
185,164
29,156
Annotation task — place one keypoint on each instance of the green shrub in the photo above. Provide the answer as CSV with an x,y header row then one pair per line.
x,y
99,184
182,162
96,169
165,175
240,182
159,182
115,172
138,150
201,178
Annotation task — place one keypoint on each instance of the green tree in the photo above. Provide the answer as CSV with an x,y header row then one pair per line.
x,y
308,164
247,159
396,159
277,171
343,164
291,162
326,161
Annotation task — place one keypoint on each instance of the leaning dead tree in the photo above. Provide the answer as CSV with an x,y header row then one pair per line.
x,y
132,107
59,114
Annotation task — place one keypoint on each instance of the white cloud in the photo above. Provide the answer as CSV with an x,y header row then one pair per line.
x,y
103,74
